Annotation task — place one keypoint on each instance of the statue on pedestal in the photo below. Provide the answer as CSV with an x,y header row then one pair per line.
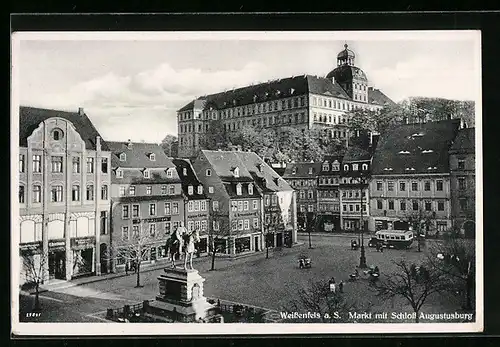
x,y
175,243
190,240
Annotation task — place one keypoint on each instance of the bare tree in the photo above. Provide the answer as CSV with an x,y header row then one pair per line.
x,y
455,258
420,222
134,248
34,272
415,283
317,297
217,228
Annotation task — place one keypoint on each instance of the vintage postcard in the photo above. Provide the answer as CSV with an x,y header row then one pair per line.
x,y
173,183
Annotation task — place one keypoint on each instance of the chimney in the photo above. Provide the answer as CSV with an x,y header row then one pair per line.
x,y
98,143
333,79
129,144
80,111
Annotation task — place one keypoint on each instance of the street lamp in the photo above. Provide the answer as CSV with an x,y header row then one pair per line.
x,y
362,257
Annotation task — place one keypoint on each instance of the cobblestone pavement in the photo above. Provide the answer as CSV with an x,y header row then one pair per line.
x,y
268,283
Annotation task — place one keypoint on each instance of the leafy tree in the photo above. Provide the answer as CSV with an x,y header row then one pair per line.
x,y
455,258
377,121
218,228
168,144
420,222
216,137
411,282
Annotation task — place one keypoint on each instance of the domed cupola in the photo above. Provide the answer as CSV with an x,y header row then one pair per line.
x,y
346,57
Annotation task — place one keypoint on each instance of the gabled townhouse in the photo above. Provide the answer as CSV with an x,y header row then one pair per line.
x,y
328,201
411,175
146,194
303,177
64,182
197,214
278,205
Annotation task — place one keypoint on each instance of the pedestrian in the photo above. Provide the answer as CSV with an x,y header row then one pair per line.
x,y
127,265
341,286
332,285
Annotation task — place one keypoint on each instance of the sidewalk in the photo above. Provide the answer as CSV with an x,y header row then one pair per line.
x,y
62,284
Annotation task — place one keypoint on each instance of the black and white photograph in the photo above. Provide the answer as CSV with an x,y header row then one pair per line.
x,y
227,182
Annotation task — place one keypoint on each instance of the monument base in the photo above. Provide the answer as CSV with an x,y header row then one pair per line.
x,y
181,298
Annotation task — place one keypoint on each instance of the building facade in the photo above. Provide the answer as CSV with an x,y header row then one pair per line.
x,y
303,177
354,192
147,201
411,176
328,198
278,204
463,181
301,102
197,211
64,184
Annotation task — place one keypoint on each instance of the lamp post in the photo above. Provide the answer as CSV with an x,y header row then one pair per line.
x,y
362,257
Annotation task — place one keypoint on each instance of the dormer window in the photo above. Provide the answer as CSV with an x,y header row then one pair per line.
x,y
123,156
335,166
310,171
294,171
200,189
326,167
238,189
425,151
190,190
146,173
169,173
417,135
346,167
364,167
292,90
250,189
236,172
152,157
184,171
387,168
119,173
404,152
208,172
259,167
354,167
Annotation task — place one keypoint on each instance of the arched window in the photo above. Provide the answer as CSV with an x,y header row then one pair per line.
x,y
104,192
250,189
57,134
346,167
238,189
364,167
123,157
200,189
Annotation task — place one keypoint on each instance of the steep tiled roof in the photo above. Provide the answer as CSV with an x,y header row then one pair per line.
x,y
269,91
189,179
264,175
415,148
136,176
375,96
357,153
224,162
302,169
31,117
330,159
138,155
465,140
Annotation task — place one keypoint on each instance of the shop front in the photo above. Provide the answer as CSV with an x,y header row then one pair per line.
x,y
329,223
202,246
83,249
57,259
242,244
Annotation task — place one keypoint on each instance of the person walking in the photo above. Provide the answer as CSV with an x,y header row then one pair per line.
x,y
127,267
341,286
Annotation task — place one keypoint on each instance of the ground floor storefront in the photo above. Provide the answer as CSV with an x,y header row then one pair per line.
x,y
60,247
435,226
329,223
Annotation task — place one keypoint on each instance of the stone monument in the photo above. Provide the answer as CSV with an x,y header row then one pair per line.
x,y
181,298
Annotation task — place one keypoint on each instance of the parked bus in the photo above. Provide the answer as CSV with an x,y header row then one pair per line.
x,y
395,238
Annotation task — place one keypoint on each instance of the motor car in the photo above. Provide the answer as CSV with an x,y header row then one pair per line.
x,y
373,242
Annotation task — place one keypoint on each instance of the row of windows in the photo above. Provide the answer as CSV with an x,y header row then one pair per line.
x,y
238,206
146,173
169,209
329,180
328,118
56,164
328,193
335,166
352,207
329,207
310,208
56,193
352,194
337,105
414,186
244,224
197,206
415,205
165,190
151,156
270,200
310,194
303,183
267,121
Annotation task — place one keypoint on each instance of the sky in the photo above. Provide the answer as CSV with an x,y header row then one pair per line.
x,y
131,85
